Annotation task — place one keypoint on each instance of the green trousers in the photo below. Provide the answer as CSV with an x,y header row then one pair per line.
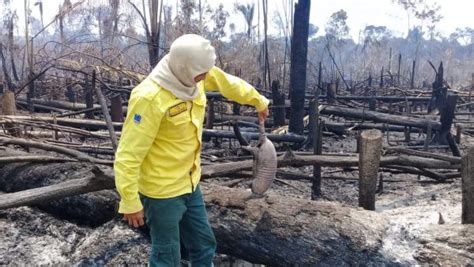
x,y
180,218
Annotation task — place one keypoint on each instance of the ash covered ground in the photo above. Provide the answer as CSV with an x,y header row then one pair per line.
x,y
424,222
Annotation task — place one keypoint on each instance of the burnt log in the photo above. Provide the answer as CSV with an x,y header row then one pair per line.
x,y
280,231
62,182
380,117
257,230
57,104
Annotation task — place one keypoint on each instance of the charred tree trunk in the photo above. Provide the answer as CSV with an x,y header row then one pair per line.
x,y
89,95
438,95
299,53
447,115
278,108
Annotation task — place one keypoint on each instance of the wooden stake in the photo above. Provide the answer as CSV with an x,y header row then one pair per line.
x,y
458,133
108,120
468,187
369,161
116,108
399,66
317,149
313,122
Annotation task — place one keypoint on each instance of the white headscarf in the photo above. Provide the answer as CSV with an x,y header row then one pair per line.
x,y
190,55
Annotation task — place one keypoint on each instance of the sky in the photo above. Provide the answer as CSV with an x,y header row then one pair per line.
x,y
456,13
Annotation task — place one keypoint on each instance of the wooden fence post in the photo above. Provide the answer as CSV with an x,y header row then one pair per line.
x,y
369,160
468,187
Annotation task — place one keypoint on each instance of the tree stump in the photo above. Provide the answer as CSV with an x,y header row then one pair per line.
x,y
468,187
9,108
369,161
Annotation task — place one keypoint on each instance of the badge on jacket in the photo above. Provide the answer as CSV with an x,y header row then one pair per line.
x,y
137,118
177,109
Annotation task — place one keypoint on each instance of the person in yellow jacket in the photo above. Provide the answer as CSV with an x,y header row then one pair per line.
x,y
157,164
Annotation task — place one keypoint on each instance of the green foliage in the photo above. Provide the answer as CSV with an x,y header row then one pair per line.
x,y
336,28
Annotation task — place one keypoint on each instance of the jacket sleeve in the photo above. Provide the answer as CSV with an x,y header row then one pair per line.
x,y
138,133
234,88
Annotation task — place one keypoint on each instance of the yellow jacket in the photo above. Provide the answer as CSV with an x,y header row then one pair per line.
x,y
159,149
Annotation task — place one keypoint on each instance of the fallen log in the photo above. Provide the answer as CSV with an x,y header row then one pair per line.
x,y
40,107
32,159
215,170
388,98
280,231
55,188
52,126
209,171
49,147
98,124
408,151
69,188
254,136
57,104
76,123
379,117
342,127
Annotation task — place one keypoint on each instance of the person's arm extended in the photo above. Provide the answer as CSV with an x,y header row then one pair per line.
x,y
236,89
138,133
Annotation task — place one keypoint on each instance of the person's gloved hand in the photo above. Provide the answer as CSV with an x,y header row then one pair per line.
x,y
262,115
135,219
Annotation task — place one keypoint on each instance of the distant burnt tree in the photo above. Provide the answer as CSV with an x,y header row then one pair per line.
x,y
299,53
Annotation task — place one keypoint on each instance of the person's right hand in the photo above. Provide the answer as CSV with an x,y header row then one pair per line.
x,y
262,115
135,219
